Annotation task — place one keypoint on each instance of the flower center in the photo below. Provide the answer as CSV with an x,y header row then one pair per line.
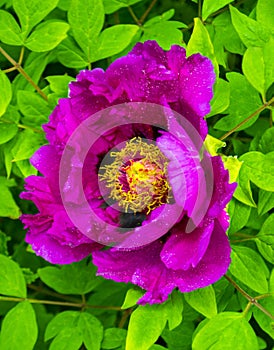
x,y
137,177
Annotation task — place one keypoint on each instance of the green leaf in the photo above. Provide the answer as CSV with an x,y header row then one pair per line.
x,y
19,329
12,282
210,7
111,6
113,338
31,12
179,338
157,347
4,243
7,131
264,321
266,143
86,18
265,239
254,67
258,66
5,92
34,108
200,42
229,329
243,191
251,32
265,13
47,36
66,319
268,53
92,331
226,35
174,309
132,296
265,244
203,300
59,84
260,169
113,40
9,29
8,207
67,339
220,101
34,67
244,100
149,318
27,143
77,278
25,168
165,32
265,202
70,55
224,291
239,214
88,329
213,145
248,267
233,165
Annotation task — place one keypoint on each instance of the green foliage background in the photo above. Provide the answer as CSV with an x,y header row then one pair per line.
x,y
44,44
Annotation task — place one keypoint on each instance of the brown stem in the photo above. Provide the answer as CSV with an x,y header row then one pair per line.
x,y
116,17
60,303
124,317
200,8
18,66
251,299
42,290
226,8
21,55
136,20
144,16
8,70
241,240
259,110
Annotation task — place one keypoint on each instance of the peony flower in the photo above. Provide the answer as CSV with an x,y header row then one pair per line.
x,y
125,167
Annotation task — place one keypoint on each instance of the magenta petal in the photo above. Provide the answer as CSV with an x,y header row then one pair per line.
x,y
213,265
222,189
52,248
196,80
142,267
183,170
184,250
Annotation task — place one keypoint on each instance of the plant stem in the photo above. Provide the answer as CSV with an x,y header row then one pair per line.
x,y
18,66
124,317
42,290
259,110
200,8
144,16
8,70
251,299
60,303
136,20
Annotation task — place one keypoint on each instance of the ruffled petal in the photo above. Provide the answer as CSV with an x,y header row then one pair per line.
x,y
185,250
57,248
222,189
144,268
196,81
184,170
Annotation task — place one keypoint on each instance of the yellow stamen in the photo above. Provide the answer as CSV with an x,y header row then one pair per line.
x,y
137,178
